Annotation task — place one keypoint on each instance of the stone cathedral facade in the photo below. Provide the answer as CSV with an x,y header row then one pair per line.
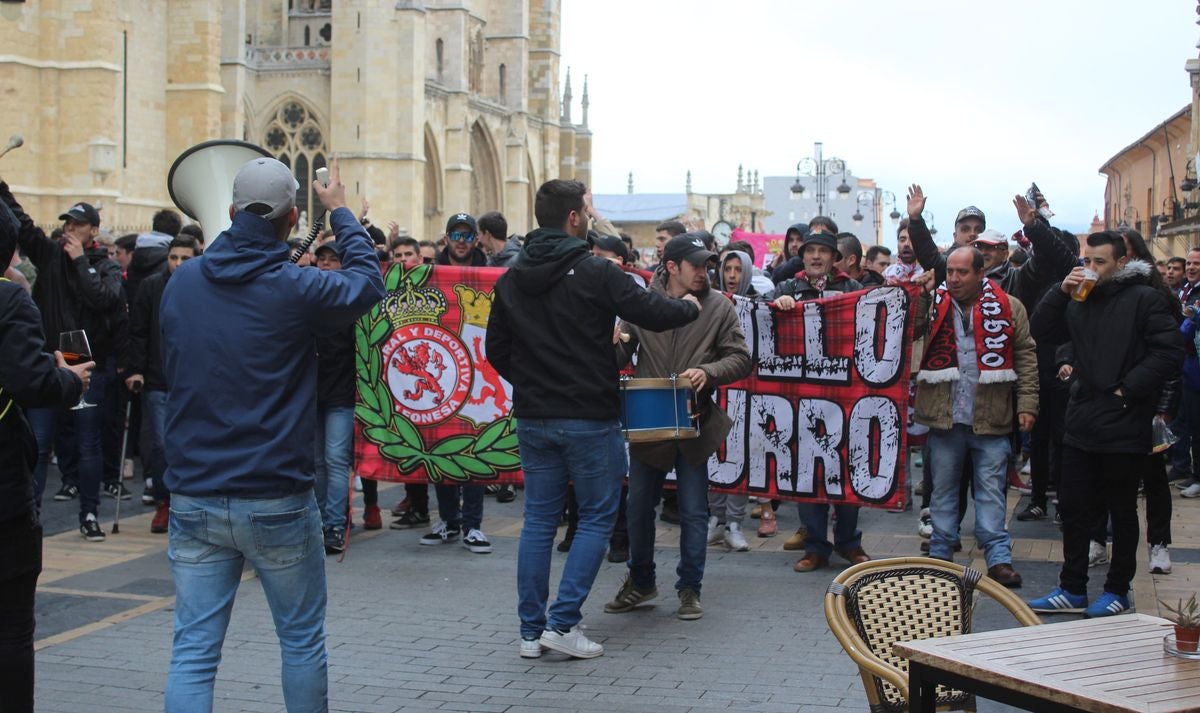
x,y
435,106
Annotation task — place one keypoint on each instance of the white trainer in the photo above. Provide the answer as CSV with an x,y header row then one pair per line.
x,y
1191,491
714,531
1160,559
925,524
734,539
1097,554
531,649
573,643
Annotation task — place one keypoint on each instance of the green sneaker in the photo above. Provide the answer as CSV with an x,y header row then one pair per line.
x,y
689,605
629,597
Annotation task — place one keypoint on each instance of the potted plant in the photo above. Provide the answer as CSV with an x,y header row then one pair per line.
x,y
1186,618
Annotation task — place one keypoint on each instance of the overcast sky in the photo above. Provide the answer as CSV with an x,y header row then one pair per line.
x,y
973,100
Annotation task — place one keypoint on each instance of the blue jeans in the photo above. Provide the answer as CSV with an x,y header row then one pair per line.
x,y
590,455
211,540
846,535
470,515
89,428
334,451
989,454
645,490
154,462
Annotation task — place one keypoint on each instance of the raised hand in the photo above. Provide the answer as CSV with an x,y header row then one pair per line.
x,y
916,202
1025,212
335,195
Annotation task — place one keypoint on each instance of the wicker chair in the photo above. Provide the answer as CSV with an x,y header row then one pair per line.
x,y
872,605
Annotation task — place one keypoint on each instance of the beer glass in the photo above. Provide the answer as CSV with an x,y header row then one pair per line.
x,y
1080,293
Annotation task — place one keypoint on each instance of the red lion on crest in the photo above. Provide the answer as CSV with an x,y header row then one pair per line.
x,y
419,363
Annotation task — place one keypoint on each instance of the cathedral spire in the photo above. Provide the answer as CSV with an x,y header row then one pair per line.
x,y
585,101
688,185
565,117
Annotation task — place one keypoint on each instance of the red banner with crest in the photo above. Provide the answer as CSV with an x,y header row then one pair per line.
x,y
822,416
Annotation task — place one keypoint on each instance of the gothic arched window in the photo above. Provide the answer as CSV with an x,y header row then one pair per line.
x,y
294,138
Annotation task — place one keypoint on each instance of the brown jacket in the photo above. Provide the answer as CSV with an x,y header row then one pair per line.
x,y
994,407
715,343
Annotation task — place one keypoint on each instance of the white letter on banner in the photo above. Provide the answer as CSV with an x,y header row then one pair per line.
x,y
868,410
769,363
880,371
818,366
729,471
818,415
767,410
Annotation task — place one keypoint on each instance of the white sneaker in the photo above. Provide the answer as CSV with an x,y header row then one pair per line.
x,y
714,531
573,643
1191,491
531,649
734,539
1097,554
925,524
1160,559
1027,469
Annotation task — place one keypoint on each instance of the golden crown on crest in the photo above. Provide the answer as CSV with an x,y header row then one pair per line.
x,y
414,304
475,305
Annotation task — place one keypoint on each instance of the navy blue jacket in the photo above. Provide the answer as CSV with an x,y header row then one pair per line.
x,y
239,325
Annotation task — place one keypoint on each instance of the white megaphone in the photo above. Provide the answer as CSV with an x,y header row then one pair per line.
x,y
201,181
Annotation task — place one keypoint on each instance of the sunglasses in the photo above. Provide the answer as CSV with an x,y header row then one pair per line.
x,y
458,236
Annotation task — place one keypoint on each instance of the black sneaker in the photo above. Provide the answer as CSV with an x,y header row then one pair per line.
x,y
66,492
507,494
117,490
441,534
477,542
335,541
1032,512
147,497
409,520
90,529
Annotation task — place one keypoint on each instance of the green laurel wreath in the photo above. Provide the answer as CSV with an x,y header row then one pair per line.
x,y
457,458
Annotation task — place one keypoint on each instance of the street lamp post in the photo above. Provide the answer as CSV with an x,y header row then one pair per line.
x,y
820,168
874,199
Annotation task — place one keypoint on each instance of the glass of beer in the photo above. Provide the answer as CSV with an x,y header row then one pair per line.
x,y
1080,293
76,350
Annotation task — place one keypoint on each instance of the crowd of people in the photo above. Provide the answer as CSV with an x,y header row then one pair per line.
x,y
1014,369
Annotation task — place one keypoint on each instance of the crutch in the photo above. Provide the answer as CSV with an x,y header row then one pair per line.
x,y
121,463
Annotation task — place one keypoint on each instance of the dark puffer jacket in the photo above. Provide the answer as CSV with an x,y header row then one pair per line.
x,y
1125,337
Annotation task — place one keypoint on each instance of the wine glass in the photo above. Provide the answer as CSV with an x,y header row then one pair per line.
x,y
76,350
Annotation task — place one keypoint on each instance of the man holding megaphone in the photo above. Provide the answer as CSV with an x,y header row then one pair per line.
x,y
238,326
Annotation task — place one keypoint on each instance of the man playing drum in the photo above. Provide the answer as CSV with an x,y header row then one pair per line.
x,y
703,355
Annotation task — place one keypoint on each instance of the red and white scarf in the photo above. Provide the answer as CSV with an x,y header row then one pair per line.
x,y
992,319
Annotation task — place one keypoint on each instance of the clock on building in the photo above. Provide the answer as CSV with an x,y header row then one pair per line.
x,y
722,231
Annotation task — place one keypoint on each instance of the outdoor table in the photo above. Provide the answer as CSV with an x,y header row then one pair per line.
x,y
1108,664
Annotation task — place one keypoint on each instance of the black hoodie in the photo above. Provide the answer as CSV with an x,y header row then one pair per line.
x,y
550,331
81,293
1126,337
29,378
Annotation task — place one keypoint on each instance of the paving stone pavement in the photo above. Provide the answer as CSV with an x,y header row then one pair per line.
x,y
416,628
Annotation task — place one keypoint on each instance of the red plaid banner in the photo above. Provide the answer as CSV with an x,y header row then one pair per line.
x,y
822,416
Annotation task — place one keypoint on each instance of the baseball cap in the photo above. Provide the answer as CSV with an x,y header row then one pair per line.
x,y
83,212
611,243
264,187
688,246
461,218
970,212
326,247
992,237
